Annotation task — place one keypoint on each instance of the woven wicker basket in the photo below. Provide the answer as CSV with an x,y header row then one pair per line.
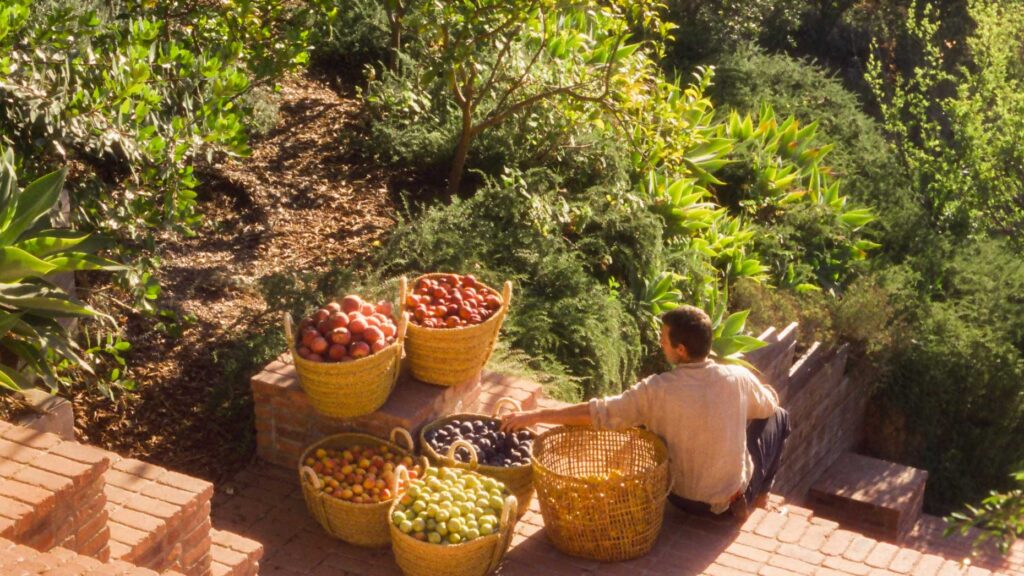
x,y
474,558
359,524
591,517
349,389
450,356
518,479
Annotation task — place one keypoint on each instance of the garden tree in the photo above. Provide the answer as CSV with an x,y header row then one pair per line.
x,y
502,58
957,127
136,92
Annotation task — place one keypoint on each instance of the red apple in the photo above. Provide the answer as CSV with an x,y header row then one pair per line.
x,y
341,336
351,303
358,325
319,345
359,349
378,346
336,352
384,307
373,334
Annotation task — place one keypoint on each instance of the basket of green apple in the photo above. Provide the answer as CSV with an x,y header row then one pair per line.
x,y
451,521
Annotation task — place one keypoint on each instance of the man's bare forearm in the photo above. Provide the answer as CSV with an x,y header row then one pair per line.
x,y
575,415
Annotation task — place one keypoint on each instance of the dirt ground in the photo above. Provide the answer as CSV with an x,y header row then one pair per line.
x,y
300,202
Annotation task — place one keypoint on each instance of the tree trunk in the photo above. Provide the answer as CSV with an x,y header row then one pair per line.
x,y
396,43
462,150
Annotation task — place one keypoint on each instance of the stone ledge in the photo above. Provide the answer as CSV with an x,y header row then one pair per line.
x,y
286,423
880,498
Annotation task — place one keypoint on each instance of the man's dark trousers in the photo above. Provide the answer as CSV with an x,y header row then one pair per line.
x,y
765,440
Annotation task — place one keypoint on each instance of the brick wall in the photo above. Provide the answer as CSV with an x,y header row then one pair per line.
x,y
286,423
51,492
826,406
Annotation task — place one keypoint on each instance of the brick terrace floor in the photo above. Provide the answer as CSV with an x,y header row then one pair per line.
x,y
265,503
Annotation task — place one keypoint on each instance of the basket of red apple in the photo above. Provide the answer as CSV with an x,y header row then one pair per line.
x,y
347,355
454,322
347,480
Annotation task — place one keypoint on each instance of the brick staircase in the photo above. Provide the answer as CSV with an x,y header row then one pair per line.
x,y
72,498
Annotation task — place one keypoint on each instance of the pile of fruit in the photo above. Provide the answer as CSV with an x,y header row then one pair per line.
x,y
449,506
451,301
493,447
347,330
359,474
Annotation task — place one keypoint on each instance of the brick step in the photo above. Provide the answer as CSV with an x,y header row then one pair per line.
x,y
25,561
159,519
234,555
51,492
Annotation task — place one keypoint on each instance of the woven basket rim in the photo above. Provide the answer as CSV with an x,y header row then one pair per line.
x,y
357,435
573,429
431,453
494,317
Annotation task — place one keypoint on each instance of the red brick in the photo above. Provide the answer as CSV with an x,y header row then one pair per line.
x,y
776,571
116,495
127,536
129,482
748,552
793,530
137,520
81,453
153,507
881,572
838,542
803,554
185,482
743,564
41,500
17,452
904,560
13,509
720,570
91,528
64,467
882,555
168,494
815,537
792,565
843,565
753,520
950,568
771,525
139,468
33,438
859,549
929,565
759,542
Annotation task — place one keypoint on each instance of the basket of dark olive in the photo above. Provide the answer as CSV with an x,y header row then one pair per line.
x,y
504,456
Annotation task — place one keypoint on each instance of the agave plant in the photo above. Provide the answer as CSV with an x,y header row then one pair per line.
x,y
32,339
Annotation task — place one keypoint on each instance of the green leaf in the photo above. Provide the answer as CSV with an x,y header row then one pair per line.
x,y
42,301
734,323
52,242
16,264
857,218
34,201
80,261
10,378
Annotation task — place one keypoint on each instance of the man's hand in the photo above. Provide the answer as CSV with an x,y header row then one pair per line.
x,y
519,420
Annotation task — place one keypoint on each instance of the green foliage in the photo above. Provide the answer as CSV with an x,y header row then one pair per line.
x,y
1000,517
31,306
957,375
355,37
136,92
956,126
561,315
709,28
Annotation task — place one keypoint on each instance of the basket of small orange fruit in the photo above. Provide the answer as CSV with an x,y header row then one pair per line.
x,y
347,480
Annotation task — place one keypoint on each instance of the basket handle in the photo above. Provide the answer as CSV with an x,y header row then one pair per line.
x,y
506,294
396,481
310,476
460,443
403,325
506,401
289,331
399,432
403,291
506,526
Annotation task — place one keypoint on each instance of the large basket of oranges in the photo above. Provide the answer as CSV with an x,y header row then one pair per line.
x,y
453,522
348,481
602,492
485,449
347,355
453,326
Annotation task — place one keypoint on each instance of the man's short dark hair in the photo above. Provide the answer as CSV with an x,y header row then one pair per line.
x,y
691,327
